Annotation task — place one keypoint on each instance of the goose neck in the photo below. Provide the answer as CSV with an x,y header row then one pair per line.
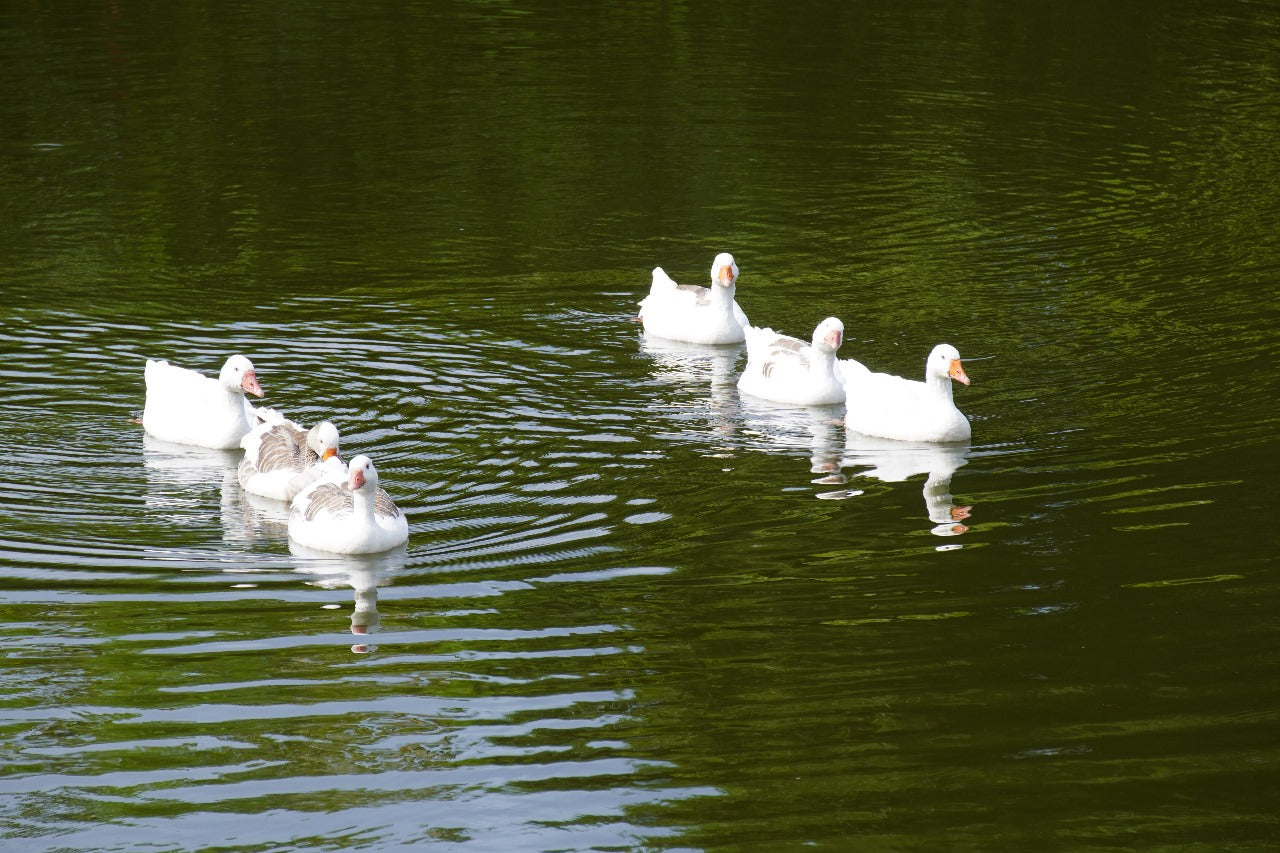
x,y
939,387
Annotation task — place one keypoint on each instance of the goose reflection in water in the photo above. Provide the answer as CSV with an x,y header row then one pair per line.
x,y
181,477
701,366
363,573
247,517
896,461
814,428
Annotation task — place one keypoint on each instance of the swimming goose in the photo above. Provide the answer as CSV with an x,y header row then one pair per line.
x,y
787,370
888,406
281,459
187,407
696,315
350,517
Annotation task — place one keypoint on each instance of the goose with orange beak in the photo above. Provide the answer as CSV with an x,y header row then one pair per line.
x,y
787,370
187,407
887,406
696,315
353,516
281,459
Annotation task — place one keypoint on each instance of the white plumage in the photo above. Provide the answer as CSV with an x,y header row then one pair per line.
x,y
887,406
696,315
787,370
281,459
349,517
187,407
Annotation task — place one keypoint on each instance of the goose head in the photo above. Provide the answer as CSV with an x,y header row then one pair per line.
x,y
361,474
238,375
828,335
322,440
944,363
724,271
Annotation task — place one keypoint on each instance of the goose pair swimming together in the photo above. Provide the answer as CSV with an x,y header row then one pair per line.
x,y
333,507
787,370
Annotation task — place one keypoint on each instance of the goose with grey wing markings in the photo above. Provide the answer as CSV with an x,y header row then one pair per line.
x,y
350,517
281,459
789,371
693,314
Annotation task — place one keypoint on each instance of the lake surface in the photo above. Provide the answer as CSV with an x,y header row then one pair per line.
x,y
637,610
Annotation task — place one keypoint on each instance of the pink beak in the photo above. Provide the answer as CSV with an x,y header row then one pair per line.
x,y
957,372
249,382
357,479
834,339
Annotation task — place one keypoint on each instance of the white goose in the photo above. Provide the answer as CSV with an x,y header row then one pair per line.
x,y
892,407
186,407
787,370
281,459
351,517
696,315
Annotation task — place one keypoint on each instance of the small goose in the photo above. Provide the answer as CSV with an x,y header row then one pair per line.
x,y
280,459
787,370
892,407
351,517
696,315
187,407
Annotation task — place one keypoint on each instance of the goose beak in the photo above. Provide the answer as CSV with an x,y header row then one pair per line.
x,y
328,454
957,372
726,276
834,339
357,479
249,382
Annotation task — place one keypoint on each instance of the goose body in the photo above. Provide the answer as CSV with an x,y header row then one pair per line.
x,y
787,370
696,315
187,407
353,516
879,404
281,459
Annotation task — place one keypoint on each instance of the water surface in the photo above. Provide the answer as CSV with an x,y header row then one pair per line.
x,y
637,610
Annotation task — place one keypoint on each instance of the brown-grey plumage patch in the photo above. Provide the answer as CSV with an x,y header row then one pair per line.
x,y
330,497
338,499
703,294
282,446
384,505
794,349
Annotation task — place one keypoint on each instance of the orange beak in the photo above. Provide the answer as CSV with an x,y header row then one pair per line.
x,y
957,372
726,276
357,479
328,454
249,382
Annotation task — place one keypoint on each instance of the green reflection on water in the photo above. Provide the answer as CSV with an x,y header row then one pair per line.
x,y
432,223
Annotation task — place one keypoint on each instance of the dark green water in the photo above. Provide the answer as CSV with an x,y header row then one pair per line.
x,y
637,611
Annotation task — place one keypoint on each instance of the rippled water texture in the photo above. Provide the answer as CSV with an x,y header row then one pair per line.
x,y
638,610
